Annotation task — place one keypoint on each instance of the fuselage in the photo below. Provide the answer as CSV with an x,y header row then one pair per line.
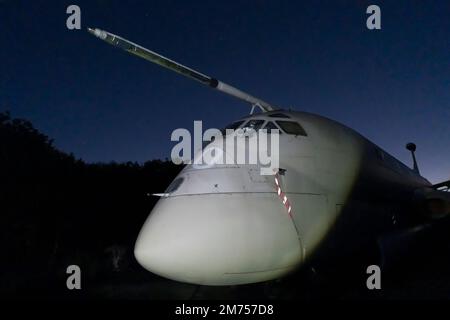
x,y
227,225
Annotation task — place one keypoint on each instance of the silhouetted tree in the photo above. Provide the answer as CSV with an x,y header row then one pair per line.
x,y
56,210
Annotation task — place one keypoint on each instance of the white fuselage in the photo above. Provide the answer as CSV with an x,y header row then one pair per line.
x,y
226,224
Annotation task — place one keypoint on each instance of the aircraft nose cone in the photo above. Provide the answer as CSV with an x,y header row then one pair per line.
x,y
165,243
218,239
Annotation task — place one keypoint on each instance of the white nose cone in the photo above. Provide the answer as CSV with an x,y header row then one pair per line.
x,y
219,239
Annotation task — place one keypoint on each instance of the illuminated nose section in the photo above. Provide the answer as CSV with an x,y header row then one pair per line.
x,y
219,239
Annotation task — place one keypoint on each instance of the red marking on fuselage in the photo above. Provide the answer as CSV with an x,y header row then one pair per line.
x,y
283,197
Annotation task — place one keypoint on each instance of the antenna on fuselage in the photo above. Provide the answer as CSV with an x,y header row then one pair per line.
x,y
412,147
154,57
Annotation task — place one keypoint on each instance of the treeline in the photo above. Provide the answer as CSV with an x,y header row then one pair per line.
x,y
56,210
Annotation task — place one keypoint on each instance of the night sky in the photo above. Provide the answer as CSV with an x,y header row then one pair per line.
x,y
96,101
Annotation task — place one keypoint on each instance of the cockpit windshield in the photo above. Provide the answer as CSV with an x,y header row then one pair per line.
x,y
253,125
271,126
291,127
232,126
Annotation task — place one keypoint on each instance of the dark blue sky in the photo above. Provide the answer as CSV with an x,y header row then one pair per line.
x,y
391,85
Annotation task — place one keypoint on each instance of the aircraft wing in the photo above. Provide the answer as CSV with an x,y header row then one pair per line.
x,y
158,59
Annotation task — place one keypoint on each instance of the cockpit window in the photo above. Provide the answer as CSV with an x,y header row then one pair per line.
x,y
253,124
271,126
279,115
174,185
291,127
232,126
